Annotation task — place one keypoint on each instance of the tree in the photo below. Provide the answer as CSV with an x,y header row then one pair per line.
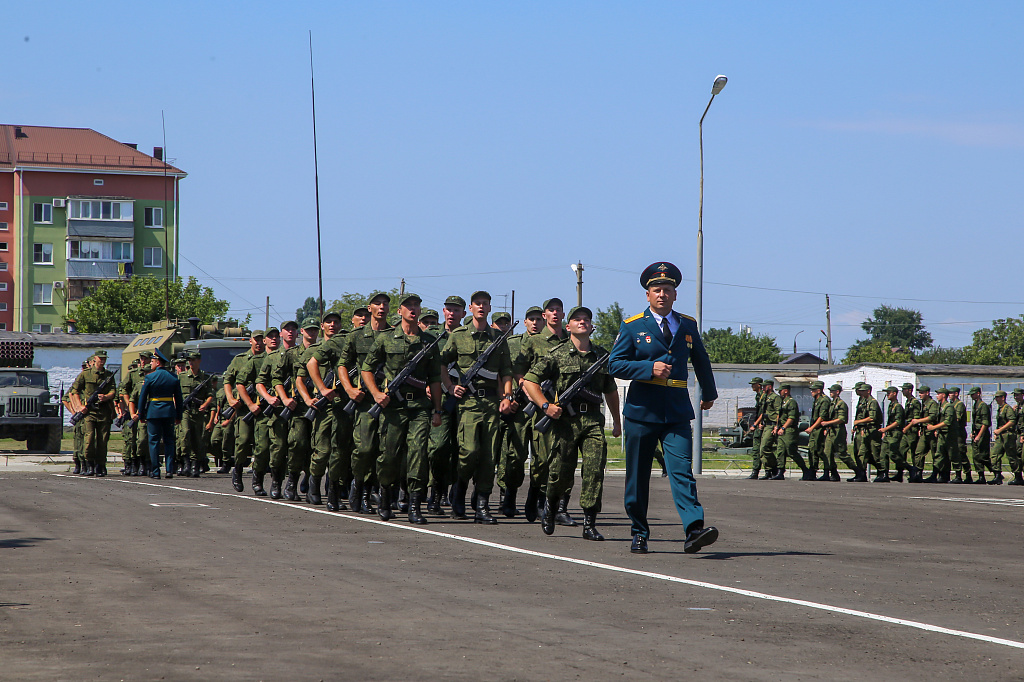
x,y
347,304
897,328
876,351
606,326
743,348
937,355
130,306
1000,344
310,308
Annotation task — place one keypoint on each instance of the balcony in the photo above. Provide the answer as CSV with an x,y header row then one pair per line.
x,y
97,269
108,229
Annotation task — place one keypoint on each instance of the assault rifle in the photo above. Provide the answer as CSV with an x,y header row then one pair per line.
x,y
543,425
313,411
228,412
193,395
92,401
477,368
265,409
350,406
404,377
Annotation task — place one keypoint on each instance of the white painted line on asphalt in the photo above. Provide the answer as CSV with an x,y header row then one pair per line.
x,y
593,564
1002,502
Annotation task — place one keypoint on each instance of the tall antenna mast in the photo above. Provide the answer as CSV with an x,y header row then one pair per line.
x,y
167,253
316,177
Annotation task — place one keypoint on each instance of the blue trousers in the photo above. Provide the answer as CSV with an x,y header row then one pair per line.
x,y
161,429
641,439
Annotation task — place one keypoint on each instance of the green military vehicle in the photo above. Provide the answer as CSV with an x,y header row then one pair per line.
x,y
219,342
27,410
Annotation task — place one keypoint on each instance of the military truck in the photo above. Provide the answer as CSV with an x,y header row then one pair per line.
x,y
27,410
219,342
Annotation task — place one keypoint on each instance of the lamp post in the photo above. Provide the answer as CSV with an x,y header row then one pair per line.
x,y
698,438
794,340
578,269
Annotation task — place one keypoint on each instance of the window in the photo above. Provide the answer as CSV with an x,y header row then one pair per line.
x,y
102,210
3,286
42,213
3,246
98,182
3,326
3,307
4,227
3,267
42,254
152,257
44,328
154,217
42,294
3,205
92,250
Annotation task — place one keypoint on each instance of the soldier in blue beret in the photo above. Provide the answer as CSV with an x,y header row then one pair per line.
x,y
160,405
652,350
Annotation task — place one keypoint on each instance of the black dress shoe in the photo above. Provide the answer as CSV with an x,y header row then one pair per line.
x,y
696,539
639,545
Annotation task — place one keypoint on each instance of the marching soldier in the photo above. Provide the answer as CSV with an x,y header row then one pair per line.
x,y
127,428
908,445
816,432
277,428
578,428
892,434
958,448
943,429
479,407
926,438
81,467
239,375
1005,441
868,443
836,440
405,425
191,446
442,438
333,446
1018,396
96,428
981,433
755,429
789,417
771,407
222,437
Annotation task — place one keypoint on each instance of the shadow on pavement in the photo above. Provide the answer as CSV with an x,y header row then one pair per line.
x,y
18,543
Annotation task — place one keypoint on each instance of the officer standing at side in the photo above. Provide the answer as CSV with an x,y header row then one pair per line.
x,y
652,350
160,404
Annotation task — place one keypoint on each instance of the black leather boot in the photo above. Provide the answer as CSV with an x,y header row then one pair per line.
x,y
187,469
752,477
562,517
434,502
881,477
225,468
1017,479
807,475
458,500
196,467
590,531
825,475
367,508
257,484
403,499
78,467
333,498
355,496
967,477
290,486
547,520
384,508
530,508
483,510
768,474
834,476
933,478
415,513
997,479
780,475
90,469
508,504
275,486
304,484
236,479
957,478
981,478
313,490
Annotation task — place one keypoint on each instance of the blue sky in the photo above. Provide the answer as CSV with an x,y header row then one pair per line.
x,y
868,150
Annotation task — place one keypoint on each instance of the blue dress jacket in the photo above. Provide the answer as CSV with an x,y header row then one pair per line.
x,y
639,345
161,396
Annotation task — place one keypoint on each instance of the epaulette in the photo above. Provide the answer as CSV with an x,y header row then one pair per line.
x,y
241,355
634,318
689,318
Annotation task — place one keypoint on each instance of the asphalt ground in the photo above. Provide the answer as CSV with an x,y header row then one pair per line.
x,y
131,579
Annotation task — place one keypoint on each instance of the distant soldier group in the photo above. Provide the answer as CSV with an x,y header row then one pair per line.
x,y
898,440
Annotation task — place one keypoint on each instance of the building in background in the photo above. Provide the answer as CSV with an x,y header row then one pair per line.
x,y
77,208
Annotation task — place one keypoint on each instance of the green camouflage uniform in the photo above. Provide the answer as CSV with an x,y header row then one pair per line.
x,y
128,448
868,441
222,438
772,409
947,417
926,439
333,438
816,439
191,446
405,425
96,424
981,415
365,429
582,433
892,440
957,447
442,441
277,428
787,441
911,410
755,434
1006,442
514,435
532,348
836,441
241,373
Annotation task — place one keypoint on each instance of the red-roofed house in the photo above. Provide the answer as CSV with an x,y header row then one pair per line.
x,y
76,208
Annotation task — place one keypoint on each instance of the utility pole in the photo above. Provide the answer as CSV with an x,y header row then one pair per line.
x,y
401,290
513,312
267,325
578,269
828,326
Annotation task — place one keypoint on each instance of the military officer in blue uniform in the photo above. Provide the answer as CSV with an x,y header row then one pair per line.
x,y
652,350
160,404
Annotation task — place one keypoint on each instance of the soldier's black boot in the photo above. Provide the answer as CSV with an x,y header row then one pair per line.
x,y
313,492
754,474
304,484
768,474
89,469
355,495
861,476
403,498
547,520
997,478
824,475
257,484
196,469
275,486
333,497
415,513
508,504
458,500
834,476
290,486
590,531
967,477
187,466
225,468
981,478
933,478
1017,479
384,507
779,475
898,476
530,508
367,507
958,478
78,467
562,517
483,510
236,479
807,475
881,477
434,501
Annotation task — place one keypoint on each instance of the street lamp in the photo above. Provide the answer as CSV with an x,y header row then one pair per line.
x,y
578,269
698,440
794,340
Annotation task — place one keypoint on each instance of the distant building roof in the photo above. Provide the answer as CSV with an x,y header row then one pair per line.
x,y
804,359
64,340
935,370
73,149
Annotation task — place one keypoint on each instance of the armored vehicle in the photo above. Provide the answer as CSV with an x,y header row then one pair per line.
x,y
27,410
219,342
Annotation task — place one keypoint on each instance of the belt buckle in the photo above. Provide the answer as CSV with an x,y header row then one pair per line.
x,y
410,396
481,393
583,408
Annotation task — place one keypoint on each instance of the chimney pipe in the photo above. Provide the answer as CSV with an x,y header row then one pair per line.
x,y
158,153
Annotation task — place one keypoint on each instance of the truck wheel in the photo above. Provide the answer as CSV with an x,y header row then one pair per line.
x,y
36,440
54,432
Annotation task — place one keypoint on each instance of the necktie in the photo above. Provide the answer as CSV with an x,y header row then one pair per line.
x,y
665,331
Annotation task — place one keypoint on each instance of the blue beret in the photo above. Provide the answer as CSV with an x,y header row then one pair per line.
x,y
661,272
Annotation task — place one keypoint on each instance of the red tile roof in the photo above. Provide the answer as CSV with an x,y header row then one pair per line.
x,y
73,148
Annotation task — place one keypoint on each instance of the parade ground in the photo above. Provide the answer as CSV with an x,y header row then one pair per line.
x,y
132,579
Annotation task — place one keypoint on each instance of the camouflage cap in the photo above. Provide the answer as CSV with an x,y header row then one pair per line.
x,y
85,365
429,312
835,387
554,299
479,294
331,313
498,317
409,297
976,390
858,386
942,391
1000,394
378,294
289,322
256,332
194,354
954,389
923,389
907,384
310,323
892,389
272,330
100,354
865,387
145,354
756,381
533,309
785,387
768,382
580,308
361,310
1018,391
818,384
455,300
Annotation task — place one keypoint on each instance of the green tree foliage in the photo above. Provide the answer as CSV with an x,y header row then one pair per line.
x,y
606,326
743,348
1000,344
347,304
938,355
310,308
876,351
132,305
897,328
